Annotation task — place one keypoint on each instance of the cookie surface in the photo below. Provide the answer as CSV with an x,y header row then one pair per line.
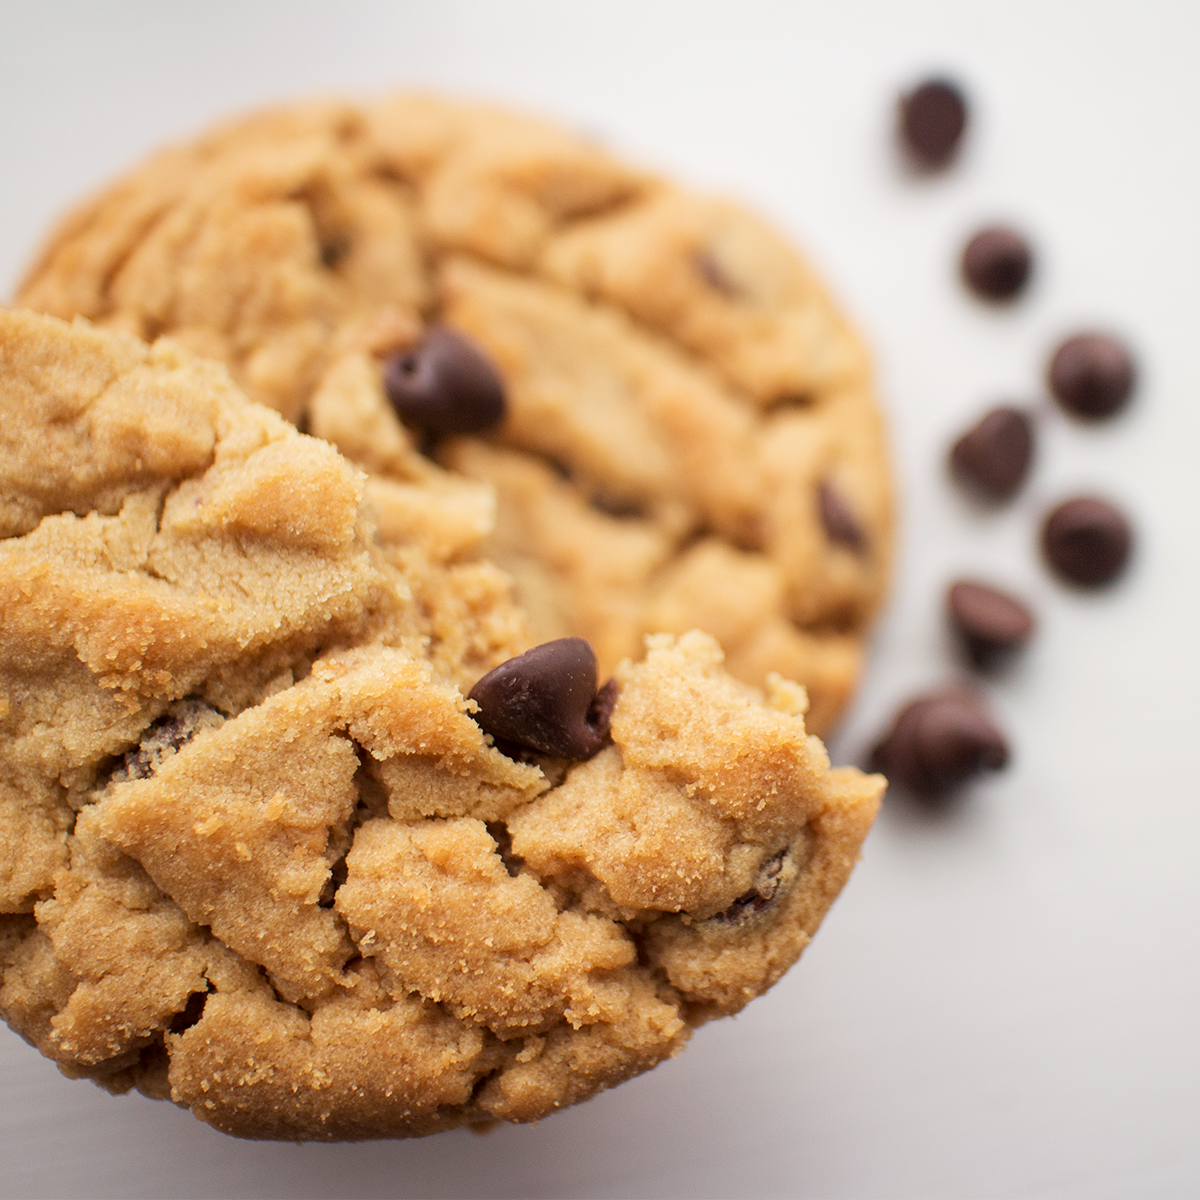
x,y
255,854
691,438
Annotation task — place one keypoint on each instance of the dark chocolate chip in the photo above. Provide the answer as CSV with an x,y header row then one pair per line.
x,y
996,263
715,275
1092,375
761,896
546,700
995,453
840,523
445,384
932,119
938,742
991,622
1086,541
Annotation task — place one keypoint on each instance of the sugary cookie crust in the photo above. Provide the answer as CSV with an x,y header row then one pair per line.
x,y
682,392
255,854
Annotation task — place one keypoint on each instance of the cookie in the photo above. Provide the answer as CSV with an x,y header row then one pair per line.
x,y
690,436
257,855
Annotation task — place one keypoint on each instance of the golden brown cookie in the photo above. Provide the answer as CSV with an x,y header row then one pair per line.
x,y
257,854
691,438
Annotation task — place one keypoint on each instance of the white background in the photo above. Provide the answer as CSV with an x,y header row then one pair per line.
x,y
1005,1000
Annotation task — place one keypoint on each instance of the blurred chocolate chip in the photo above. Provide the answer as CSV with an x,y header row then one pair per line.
x,y
840,523
1087,541
994,454
445,384
1092,375
990,621
996,263
932,119
715,275
546,700
938,742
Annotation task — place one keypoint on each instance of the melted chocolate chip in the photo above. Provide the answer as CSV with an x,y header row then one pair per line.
x,y
1092,375
546,700
938,742
1087,541
991,622
932,119
995,453
764,893
841,525
445,384
996,263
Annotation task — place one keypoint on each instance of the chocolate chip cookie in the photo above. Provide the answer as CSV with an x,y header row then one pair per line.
x,y
677,424
258,854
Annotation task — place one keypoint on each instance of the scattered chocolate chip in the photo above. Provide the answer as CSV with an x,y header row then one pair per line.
x,y
996,263
990,621
546,700
932,119
938,742
715,275
840,523
1092,375
445,384
1086,541
771,877
995,453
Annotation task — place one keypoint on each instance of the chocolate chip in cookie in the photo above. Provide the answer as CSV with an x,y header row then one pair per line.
x,y
546,700
938,742
1087,541
933,117
166,737
841,525
445,384
997,263
991,623
771,882
993,456
1092,375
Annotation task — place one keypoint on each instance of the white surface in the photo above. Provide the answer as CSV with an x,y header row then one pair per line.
x,y
1005,1002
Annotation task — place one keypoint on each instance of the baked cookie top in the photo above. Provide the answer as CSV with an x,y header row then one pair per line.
x,y
690,438
257,854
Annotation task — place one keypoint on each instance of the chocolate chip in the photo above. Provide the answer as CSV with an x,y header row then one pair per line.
x,y
938,742
1086,541
766,890
445,384
995,453
715,275
1092,375
166,737
990,621
996,263
932,119
546,700
840,523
